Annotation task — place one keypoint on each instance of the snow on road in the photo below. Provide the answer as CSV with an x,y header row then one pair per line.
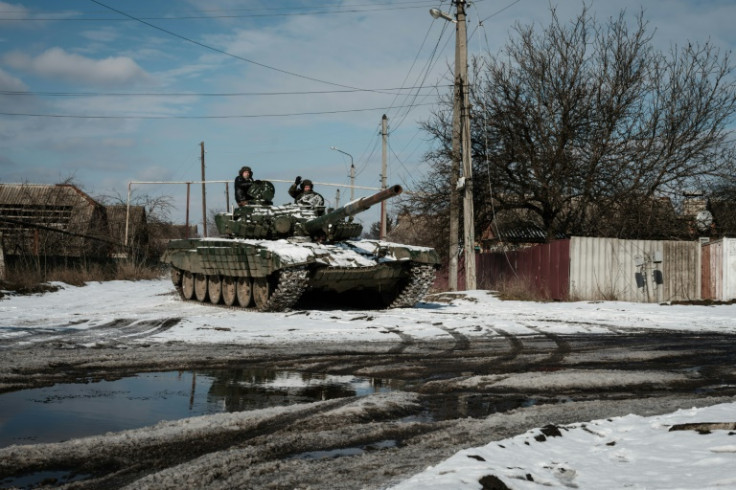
x,y
474,313
626,452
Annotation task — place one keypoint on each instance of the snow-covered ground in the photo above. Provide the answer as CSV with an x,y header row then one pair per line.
x,y
626,452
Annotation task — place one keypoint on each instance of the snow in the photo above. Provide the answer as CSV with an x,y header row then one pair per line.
x,y
361,253
632,452
625,452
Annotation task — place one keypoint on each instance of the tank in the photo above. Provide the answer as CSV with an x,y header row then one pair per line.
x,y
268,257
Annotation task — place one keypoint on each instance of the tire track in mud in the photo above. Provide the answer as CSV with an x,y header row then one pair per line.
x,y
115,331
406,341
263,436
462,343
563,347
517,346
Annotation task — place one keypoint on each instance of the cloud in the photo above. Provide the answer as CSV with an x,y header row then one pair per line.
x,y
21,13
10,83
57,64
14,11
102,35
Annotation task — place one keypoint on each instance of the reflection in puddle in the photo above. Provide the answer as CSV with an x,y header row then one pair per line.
x,y
66,411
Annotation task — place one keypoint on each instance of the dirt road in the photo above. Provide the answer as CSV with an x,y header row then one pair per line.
x,y
455,394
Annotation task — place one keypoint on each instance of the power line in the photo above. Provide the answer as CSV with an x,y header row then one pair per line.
x,y
384,91
211,48
250,12
199,17
238,116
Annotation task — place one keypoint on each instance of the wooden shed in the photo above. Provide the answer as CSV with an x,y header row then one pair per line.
x,y
53,222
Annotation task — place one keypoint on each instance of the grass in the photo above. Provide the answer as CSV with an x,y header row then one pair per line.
x,y
518,289
28,279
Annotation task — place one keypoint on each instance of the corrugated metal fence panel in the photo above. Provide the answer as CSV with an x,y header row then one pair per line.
x,y
719,269
544,268
729,269
629,270
707,277
681,270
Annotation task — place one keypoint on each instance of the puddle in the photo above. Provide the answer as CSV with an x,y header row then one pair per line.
x,y
67,411
43,478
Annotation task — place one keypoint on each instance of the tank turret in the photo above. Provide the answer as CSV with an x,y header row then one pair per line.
x,y
332,224
269,256
260,219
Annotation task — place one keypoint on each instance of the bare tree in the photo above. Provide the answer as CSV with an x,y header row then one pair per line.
x,y
146,221
584,127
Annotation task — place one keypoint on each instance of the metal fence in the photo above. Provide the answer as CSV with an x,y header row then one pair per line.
x,y
588,268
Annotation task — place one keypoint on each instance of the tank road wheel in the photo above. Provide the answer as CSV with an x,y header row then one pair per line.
x,y
187,285
214,289
261,292
200,287
244,290
229,296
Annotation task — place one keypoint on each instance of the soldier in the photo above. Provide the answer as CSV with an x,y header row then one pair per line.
x,y
242,184
303,193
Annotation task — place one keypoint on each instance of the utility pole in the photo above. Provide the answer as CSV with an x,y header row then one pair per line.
x,y
352,180
337,198
461,81
461,154
204,194
352,171
384,152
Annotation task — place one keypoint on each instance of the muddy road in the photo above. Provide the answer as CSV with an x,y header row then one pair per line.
x,y
454,394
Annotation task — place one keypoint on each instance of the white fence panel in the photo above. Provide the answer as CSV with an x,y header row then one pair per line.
x,y
634,270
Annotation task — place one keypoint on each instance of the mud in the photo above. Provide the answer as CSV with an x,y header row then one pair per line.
x,y
354,442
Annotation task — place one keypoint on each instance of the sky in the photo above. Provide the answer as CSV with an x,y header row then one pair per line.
x,y
111,92
622,452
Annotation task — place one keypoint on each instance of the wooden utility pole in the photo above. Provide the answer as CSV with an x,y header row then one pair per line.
x,y
455,170
460,153
384,152
462,88
204,194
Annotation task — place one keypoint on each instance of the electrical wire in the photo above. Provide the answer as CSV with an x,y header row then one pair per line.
x,y
384,91
226,53
238,116
269,12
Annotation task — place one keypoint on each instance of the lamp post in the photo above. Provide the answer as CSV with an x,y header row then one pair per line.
x,y
352,171
461,152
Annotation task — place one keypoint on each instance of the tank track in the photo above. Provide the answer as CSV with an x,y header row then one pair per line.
x,y
421,277
291,285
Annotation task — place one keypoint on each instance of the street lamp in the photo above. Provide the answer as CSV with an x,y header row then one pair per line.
x,y
352,171
461,152
437,14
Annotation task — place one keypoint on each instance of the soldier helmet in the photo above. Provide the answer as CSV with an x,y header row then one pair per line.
x,y
307,182
243,169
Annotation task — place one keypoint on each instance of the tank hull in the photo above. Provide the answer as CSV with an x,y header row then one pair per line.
x,y
278,272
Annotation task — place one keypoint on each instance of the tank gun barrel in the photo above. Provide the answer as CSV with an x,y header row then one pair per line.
x,y
352,208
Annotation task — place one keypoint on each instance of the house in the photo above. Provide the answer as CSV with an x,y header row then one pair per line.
x,y
56,223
